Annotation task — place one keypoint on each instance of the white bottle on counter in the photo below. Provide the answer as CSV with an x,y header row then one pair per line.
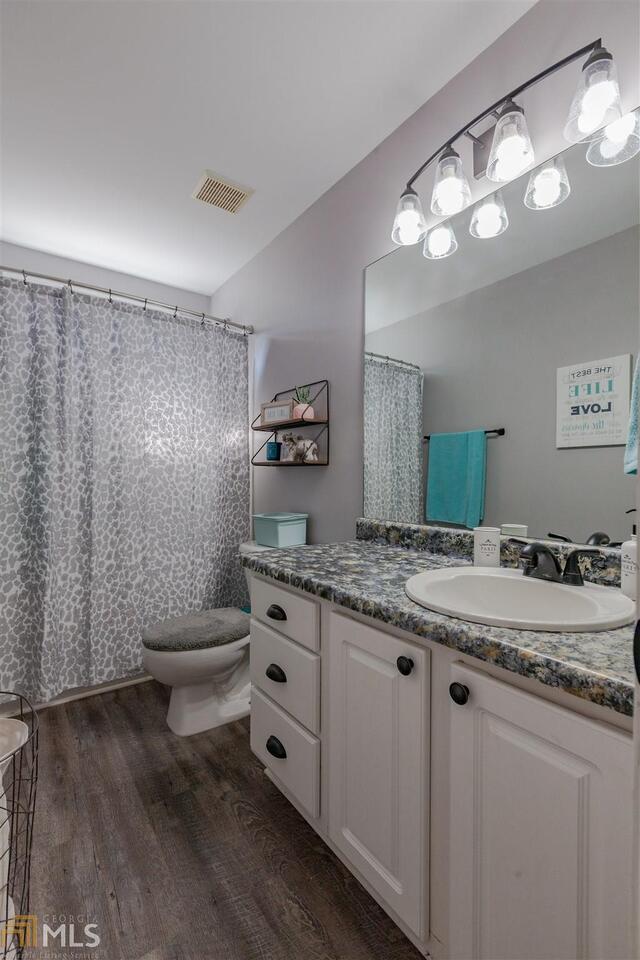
x,y
629,566
486,546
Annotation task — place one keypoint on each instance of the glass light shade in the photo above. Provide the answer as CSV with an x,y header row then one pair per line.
x,y
596,102
489,217
440,242
511,151
409,225
548,186
451,191
619,141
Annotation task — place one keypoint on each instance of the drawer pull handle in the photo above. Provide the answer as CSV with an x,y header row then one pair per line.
x,y
404,665
276,748
276,612
459,693
276,673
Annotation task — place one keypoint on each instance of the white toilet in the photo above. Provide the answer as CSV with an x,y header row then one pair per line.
x,y
204,658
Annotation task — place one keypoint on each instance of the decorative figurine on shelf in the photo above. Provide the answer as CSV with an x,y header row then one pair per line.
x,y
299,449
302,409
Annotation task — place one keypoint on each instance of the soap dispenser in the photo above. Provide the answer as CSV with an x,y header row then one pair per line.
x,y
629,564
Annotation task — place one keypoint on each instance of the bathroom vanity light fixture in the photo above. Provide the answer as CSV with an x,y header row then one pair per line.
x,y
595,105
548,185
619,141
489,217
440,242
596,102
451,191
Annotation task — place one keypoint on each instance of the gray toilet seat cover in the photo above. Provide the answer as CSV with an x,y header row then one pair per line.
x,y
197,631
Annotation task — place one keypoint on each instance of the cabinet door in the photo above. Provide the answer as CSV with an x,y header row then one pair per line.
x,y
540,835
378,762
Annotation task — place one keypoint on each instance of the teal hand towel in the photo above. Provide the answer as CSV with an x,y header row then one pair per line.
x,y
456,477
631,452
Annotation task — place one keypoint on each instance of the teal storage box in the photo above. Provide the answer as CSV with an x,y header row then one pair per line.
x,y
280,529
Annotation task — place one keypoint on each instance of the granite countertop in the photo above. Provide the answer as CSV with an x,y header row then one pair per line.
x,y
369,578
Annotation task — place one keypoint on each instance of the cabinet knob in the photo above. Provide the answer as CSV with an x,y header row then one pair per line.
x,y
275,612
276,673
459,693
276,748
404,665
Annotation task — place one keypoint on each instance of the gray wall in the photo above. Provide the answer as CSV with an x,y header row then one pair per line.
x,y
305,291
490,359
24,258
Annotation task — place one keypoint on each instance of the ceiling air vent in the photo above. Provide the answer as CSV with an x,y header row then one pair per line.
x,y
221,193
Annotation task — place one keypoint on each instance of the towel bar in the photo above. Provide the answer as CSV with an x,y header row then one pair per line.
x,y
494,432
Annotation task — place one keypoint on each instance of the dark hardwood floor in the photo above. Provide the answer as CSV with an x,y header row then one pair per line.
x,y
181,849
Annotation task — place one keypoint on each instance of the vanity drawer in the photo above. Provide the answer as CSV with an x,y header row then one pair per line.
x,y
288,613
299,693
298,768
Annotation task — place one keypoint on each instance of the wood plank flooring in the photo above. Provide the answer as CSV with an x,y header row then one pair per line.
x,y
181,849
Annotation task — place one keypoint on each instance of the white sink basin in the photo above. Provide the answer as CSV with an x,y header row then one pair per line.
x,y
505,598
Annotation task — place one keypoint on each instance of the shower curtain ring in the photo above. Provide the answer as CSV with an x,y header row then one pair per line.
x,y
70,285
24,279
175,312
145,305
110,299
202,322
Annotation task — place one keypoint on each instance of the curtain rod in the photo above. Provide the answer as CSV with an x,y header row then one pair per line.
x,y
381,356
203,317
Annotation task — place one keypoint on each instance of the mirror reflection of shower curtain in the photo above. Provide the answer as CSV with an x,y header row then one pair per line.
x,y
392,440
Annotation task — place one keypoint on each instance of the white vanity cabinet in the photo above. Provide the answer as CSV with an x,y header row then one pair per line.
x,y
540,829
378,750
520,807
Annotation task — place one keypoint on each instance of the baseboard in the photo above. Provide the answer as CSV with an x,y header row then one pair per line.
x,y
80,693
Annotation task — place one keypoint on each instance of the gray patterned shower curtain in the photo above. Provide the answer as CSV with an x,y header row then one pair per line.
x,y
124,487
392,441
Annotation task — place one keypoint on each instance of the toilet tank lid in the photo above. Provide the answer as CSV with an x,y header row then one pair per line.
x,y
280,517
250,546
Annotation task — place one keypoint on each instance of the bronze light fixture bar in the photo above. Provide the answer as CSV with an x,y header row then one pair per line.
x,y
465,130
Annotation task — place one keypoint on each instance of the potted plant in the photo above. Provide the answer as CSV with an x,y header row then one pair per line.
x,y
302,409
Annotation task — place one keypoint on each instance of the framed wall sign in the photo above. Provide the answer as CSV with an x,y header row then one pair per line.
x,y
277,411
592,403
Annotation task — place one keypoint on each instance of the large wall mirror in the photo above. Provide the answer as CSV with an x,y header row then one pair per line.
x,y
532,332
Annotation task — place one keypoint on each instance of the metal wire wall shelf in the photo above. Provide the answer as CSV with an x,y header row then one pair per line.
x,y
319,400
18,780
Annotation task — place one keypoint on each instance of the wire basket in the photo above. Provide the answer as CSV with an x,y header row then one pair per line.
x,y
18,779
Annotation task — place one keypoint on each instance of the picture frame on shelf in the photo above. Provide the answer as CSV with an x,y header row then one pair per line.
x,y
275,412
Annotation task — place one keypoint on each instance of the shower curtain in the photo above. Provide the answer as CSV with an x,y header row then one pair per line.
x,y
124,488
392,441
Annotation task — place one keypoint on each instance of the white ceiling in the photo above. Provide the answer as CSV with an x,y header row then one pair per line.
x,y
112,109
